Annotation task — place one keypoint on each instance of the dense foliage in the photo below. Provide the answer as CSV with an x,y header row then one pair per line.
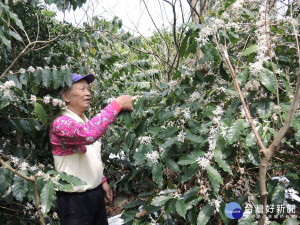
x,y
188,149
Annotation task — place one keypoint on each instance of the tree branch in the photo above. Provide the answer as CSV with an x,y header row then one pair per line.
x,y
35,190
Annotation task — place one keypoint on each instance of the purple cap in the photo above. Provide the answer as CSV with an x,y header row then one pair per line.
x,y
89,78
77,77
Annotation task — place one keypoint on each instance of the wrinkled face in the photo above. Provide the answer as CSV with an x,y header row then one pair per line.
x,y
78,98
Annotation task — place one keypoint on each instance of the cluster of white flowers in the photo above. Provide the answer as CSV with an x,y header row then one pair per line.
x,y
204,34
216,203
58,102
194,97
154,156
33,98
46,99
7,85
172,84
176,195
252,85
204,160
181,136
31,69
144,84
217,112
22,70
237,5
145,139
185,111
177,111
28,206
263,39
109,100
15,1
23,166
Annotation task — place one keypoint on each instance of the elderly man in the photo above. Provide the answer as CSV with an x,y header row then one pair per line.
x,y
76,150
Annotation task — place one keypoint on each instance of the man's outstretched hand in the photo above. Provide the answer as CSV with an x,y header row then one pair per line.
x,y
125,102
108,192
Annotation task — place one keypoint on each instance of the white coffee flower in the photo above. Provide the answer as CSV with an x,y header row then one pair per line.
x,y
145,139
33,98
203,162
24,165
177,112
9,84
154,156
55,102
181,136
186,113
31,69
46,99
22,70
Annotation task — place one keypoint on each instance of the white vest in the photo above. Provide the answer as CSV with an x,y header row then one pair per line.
x,y
88,167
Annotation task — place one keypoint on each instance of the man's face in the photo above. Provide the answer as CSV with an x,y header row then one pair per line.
x,y
79,96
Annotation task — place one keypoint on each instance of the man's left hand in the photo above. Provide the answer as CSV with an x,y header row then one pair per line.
x,y
108,192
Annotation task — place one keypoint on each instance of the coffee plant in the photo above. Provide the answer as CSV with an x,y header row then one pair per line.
x,y
216,116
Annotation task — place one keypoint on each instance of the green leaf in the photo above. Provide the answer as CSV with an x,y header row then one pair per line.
x,y
157,173
46,77
37,76
25,125
251,139
250,50
129,215
190,172
56,80
40,112
169,142
171,164
67,74
65,187
286,84
291,221
155,130
47,197
278,195
221,162
19,188
205,214
247,219
191,194
4,39
214,178
127,119
167,132
139,106
133,204
194,138
187,160
235,130
160,200
15,35
4,102
252,156
183,46
71,179
180,207
266,77
16,19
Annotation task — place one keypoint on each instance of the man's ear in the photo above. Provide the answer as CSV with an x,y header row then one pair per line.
x,y
66,96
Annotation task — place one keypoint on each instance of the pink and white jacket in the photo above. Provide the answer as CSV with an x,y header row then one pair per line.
x,y
75,144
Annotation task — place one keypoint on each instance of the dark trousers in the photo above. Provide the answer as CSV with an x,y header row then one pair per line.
x,y
85,208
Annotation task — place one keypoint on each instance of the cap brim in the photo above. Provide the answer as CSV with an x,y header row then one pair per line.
x,y
89,78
